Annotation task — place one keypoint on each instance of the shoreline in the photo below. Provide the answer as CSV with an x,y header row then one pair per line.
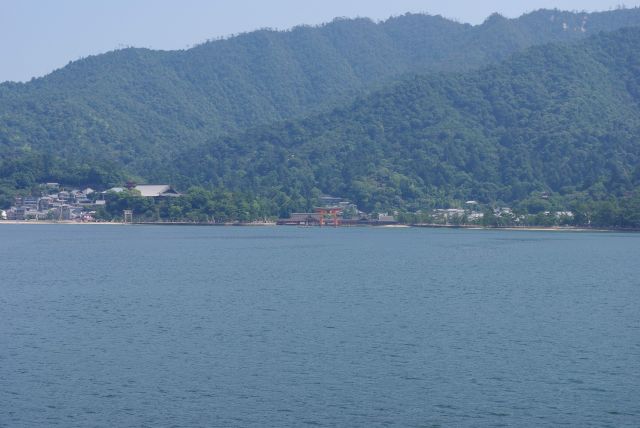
x,y
529,228
41,222
392,226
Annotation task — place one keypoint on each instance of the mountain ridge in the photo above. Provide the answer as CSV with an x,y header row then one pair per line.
x,y
125,102
148,130
559,119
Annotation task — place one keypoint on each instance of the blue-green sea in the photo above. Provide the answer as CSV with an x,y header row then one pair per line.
x,y
151,326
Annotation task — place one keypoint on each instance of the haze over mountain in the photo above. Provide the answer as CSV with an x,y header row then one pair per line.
x,y
560,118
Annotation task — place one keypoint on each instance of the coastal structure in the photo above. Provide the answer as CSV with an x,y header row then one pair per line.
x,y
54,203
332,210
336,211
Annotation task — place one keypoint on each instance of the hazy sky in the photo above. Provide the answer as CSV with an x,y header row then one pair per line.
x,y
38,36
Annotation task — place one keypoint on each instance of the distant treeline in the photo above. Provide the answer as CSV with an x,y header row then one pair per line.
x,y
204,206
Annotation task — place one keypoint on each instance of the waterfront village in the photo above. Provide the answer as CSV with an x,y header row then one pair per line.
x,y
55,203
58,204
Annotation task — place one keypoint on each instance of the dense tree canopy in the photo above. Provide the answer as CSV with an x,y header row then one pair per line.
x,y
136,106
252,120
558,119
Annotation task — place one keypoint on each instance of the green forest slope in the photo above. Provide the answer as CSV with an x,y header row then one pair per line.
x,y
563,119
133,106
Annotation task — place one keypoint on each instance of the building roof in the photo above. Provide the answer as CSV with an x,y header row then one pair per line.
x,y
155,190
149,190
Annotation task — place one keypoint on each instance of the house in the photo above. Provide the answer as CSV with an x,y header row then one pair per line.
x,y
67,212
45,203
448,214
29,202
386,218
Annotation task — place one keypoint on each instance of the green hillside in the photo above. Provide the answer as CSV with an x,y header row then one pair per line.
x,y
558,119
133,105
251,117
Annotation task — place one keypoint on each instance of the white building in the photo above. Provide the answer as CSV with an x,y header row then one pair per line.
x,y
150,190
156,190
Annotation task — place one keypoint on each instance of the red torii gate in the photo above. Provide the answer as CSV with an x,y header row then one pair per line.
x,y
332,211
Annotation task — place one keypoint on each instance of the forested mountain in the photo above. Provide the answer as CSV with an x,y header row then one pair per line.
x,y
133,105
562,119
436,121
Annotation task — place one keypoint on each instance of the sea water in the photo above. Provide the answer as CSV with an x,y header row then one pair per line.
x,y
276,326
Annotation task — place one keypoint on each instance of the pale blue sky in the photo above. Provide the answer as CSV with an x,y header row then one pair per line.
x,y
38,36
